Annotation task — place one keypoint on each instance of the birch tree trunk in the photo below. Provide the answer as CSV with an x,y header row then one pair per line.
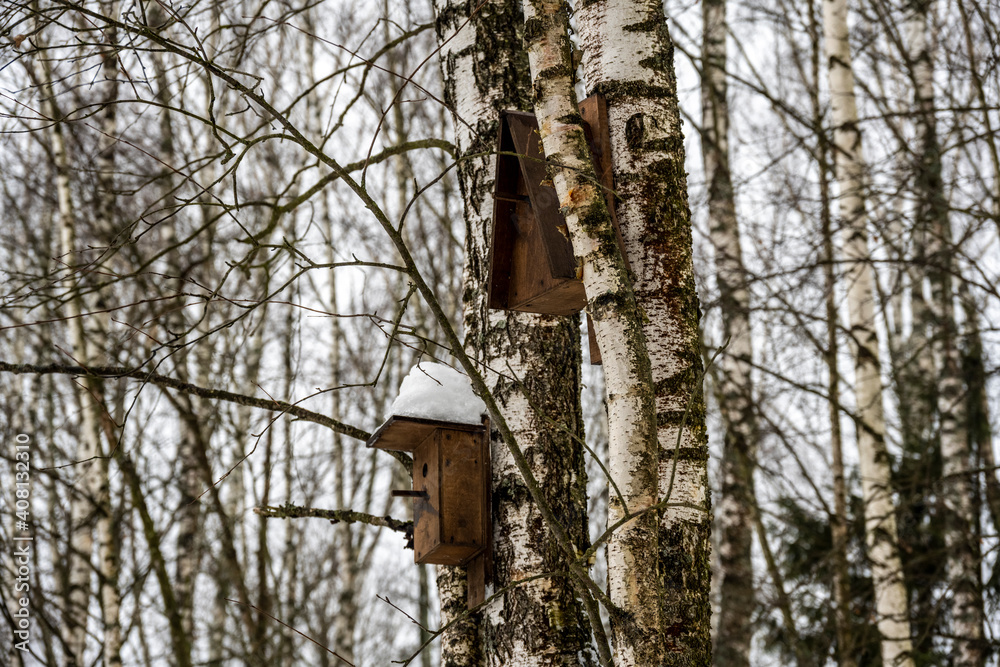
x,y
960,520
180,639
533,367
347,609
628,57
83,499
634,580
108,530
188,514
838,522
734,511
880,521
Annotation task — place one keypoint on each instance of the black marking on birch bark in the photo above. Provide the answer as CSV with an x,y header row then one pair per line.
x,y
671,452
615,91
643,26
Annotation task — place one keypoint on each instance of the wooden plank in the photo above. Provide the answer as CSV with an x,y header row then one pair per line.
x,y
462,519
427,510
595,351
544,201
594,110
508,172
476,578
564,298
487,474
517,199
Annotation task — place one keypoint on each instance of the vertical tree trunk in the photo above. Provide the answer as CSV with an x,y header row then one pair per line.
x,y
188,515
346,611
83,499
733,513
180,639
978,411
961,521
880,521
634,575
628,57
838,522
534,364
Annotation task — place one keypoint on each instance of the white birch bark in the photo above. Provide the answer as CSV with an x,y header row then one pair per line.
x,y
461,645
658,574
107,528
932,221
532,367
83,500
628,57
734,511
880,522
838,522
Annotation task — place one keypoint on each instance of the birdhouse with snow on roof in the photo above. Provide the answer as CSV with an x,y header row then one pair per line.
x,y
450,481
439,420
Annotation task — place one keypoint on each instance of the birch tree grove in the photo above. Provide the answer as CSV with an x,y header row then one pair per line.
x,y
230,230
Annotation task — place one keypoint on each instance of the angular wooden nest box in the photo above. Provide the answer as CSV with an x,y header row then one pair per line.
x,y
451,517
532,267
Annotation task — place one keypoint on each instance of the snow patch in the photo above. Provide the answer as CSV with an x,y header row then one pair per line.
x,y
436,391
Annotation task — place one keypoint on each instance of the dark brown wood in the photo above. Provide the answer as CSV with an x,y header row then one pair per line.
x,y
407,493
595,350
405,434
544,200
450,485
502,244
532,267
476,577
517,199
594,111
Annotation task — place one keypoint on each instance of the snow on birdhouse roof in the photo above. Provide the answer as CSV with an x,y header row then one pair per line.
x,y
436,391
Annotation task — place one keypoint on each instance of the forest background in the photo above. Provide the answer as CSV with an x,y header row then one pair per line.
x,y
246,324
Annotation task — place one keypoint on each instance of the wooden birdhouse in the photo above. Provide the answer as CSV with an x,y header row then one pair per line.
x,y
532,267
450,483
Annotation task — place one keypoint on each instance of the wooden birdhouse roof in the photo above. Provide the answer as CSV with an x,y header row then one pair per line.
x,y
405,434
